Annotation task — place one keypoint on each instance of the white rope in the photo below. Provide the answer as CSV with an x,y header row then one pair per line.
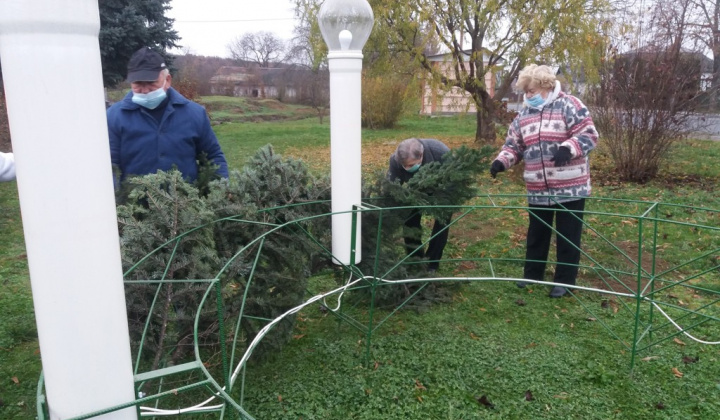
x,y
681,328
261,334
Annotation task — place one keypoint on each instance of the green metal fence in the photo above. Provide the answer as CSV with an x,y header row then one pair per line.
x,y
641,254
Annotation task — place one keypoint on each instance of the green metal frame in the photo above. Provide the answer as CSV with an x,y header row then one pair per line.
x,y
639,285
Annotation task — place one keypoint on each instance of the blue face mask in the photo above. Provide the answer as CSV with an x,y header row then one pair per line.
x,y
413,168
535,101
152,99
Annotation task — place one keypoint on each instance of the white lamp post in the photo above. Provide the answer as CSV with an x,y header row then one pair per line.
x,y
345,26
56,107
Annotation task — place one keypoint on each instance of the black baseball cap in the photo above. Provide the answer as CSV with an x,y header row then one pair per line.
x,y
145,66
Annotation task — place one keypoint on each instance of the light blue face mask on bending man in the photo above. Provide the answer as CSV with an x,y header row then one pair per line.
x,y
413,168
150,100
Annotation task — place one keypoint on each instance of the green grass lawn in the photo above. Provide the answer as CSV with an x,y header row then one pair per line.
x,y
495,351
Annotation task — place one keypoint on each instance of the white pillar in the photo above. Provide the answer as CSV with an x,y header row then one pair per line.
x,y
50,59
345,150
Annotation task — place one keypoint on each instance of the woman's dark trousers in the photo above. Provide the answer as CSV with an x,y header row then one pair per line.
x,y
568,224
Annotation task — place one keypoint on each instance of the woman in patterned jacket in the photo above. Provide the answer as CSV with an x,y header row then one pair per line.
x,y
554,134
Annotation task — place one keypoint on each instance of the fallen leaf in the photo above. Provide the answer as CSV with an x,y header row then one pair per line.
x,y
16,380
649,358
531,345
174,391
474,337
298,336
681,303
687,359
591,319
419,398
419,385
484,401
520,302
279,398
677,373
677,341
562,396
483,310
377,365
556,316
528,396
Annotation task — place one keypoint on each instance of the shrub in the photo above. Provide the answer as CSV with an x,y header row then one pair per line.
x,y
383,101
643,105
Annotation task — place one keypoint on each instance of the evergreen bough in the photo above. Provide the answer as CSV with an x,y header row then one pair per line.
x,y
443,187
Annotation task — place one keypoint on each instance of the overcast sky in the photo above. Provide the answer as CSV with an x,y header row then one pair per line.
x,y
207,26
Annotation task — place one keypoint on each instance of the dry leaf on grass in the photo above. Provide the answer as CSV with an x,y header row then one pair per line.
x,y
677,373
688,359
485,401
677,341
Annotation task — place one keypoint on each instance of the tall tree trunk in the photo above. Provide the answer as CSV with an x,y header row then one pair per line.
x,y
715,87
715,29
485,117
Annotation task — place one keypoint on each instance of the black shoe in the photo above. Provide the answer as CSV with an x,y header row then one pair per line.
x,y
521,284
558,291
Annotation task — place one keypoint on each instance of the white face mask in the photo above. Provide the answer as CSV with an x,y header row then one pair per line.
x,y
150,100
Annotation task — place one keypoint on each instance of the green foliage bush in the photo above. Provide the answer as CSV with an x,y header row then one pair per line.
x,y
441,186
383,100
165,214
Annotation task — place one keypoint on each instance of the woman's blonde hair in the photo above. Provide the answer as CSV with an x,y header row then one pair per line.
x,y
536,76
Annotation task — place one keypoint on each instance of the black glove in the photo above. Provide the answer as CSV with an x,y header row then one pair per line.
x,y
496,167
562,156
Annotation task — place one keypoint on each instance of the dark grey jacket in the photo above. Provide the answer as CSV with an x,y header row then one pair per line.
x,y
433,151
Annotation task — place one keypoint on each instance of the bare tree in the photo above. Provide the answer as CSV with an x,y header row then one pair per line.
x,y
307,49
646,97
262,48
707,31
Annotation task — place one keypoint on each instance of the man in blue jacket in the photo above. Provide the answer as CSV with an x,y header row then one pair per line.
x,y
155,128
